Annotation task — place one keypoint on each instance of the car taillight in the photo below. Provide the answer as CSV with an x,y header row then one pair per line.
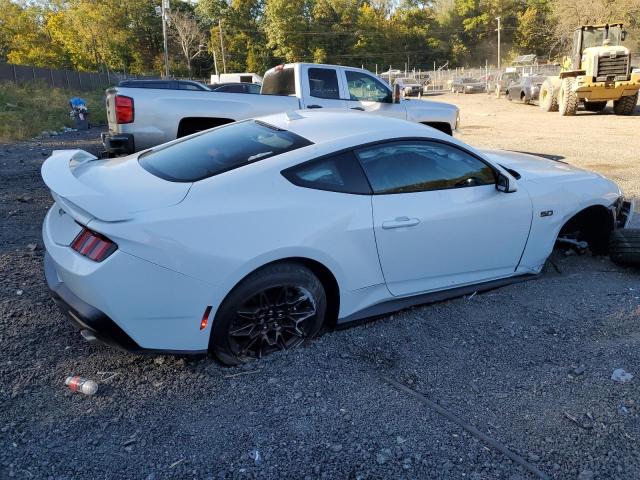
x,y
92,245
124,109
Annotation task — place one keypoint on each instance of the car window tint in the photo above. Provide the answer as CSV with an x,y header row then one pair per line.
x,y
188,86
415,166
323,83
231,89
161,84
338,173
219,150
365,88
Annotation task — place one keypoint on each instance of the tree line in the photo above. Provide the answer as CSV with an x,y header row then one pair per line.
x,y
254,35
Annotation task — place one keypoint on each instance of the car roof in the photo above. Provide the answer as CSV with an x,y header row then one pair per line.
x,y
330,125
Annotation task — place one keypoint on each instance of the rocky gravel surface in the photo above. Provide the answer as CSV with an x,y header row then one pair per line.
x,y
530,365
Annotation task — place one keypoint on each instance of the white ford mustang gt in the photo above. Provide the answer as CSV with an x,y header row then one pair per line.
x,y
249,237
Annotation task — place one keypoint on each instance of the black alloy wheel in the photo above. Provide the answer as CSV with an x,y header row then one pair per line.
x,y
277,307
274,319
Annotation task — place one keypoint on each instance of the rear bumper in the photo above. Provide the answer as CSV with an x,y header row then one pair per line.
x,y
118,143
84,316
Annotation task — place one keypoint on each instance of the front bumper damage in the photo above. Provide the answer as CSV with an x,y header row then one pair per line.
x,y
622,212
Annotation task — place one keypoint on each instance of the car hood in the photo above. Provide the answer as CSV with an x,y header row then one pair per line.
x,y
535,168
110,189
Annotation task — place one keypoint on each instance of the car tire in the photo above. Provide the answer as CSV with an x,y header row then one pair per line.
x,y
547,99
595,106
567,98
626,105
624,246
277,307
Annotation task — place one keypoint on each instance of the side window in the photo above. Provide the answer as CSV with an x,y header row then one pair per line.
x,y
338,173
417,166
323,83
365,88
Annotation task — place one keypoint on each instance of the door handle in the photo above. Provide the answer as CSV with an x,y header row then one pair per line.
x,y
357,108
400,222
314,106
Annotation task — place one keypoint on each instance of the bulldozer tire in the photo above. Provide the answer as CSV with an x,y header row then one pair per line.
x,y
548,100
595,106
567,98
626,105
624,246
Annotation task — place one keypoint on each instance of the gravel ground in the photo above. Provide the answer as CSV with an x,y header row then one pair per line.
x,y
529,365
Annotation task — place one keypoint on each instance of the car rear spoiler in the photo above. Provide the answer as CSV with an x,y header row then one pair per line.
x,y
83,202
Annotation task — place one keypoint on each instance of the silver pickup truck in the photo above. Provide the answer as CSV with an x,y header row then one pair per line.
x,y
140,118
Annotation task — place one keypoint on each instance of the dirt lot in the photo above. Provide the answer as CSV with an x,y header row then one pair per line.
x,y
529,365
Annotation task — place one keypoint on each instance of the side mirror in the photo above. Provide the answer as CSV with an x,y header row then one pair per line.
x,y
397,93
505,184
623,35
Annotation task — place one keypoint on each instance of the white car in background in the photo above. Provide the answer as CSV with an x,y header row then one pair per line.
x,y
250,237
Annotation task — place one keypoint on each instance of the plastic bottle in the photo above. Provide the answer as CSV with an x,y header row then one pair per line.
x,y
82,385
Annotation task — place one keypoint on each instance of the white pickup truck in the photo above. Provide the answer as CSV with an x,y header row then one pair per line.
x,y
140,118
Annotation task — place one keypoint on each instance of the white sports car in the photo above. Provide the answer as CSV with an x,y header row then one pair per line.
x,y
251,237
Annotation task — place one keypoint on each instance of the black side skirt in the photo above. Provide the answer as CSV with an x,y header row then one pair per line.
x,y
395,304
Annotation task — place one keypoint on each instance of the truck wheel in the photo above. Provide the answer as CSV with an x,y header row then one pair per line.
x,y
595,106
548,98
624,246
567,98
626,105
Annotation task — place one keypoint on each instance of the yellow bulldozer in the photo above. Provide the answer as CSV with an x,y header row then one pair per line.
x,y
598,70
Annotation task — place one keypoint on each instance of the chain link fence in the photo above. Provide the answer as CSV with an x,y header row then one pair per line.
x,y
68,79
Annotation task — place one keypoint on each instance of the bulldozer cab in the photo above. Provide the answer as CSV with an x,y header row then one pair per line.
x,y
588,36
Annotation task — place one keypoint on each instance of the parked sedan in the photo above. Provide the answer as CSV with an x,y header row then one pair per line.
x,y
253,236
467,85
526,89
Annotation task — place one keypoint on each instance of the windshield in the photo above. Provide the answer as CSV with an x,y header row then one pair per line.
x,y
593,37
219,150
469,80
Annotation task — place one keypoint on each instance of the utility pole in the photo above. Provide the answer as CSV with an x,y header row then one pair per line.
x,y
498,18
224,62
163,11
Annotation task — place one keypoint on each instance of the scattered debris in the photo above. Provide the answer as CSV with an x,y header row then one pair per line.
x,y
472,295
176,463
623,410
19,292
82,385
621,376
255,456
25,198
32,247
584,425
233,375
579,370
110,376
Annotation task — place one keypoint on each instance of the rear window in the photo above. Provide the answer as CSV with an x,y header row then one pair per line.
x,y
279,82
219,150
